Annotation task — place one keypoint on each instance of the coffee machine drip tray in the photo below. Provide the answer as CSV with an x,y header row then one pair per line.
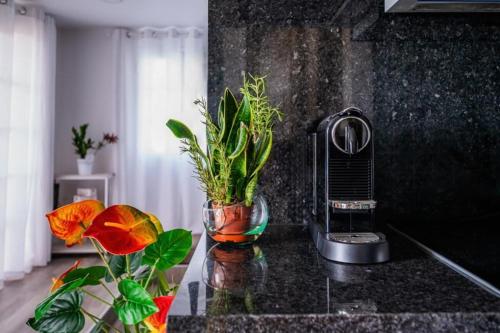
x,y
354,238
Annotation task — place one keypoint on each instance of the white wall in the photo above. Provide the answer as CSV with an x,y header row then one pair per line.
x,y
83,95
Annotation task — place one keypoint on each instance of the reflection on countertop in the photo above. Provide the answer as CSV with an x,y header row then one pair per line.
x,y
282,284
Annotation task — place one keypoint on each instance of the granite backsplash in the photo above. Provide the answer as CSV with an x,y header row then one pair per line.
x,y
430,83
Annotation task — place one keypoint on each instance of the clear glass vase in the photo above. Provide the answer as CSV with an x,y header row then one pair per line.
x,y
236,223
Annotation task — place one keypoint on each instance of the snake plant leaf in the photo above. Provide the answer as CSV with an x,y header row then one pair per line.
x,y
63,316
180,130
45,305
250,190
241,141
122,229
136,303
93,275
220,119
70,222
169,250
118,265
244,115
230,110
263,153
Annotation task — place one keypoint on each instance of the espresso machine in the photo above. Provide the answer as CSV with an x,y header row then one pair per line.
x,y
343,191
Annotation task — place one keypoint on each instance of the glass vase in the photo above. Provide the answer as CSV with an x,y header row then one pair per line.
x,y
237,223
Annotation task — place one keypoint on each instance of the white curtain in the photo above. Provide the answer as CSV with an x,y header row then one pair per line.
x,y
27,63
159,74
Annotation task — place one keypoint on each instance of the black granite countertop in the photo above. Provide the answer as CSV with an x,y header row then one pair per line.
x,y
281,284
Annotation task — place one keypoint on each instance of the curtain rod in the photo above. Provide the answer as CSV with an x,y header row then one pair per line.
x,y
21,10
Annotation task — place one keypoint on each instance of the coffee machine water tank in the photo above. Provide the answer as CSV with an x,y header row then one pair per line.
x,y
343,190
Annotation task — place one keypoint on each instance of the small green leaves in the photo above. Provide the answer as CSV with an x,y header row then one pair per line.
x,y
63,315
136,304
45,305
118,265
93,275
169,250
180,130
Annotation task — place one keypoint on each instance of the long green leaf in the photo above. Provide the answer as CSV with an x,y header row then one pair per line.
x,y
244,115
230,110
263,154
136,304
63,316
170,249
45,305
180,130
242,138
250,190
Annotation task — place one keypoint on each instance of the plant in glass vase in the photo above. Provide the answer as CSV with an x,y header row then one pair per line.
x,y
238,146
135,252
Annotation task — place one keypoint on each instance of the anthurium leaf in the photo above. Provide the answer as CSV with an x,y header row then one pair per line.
x,y
45,305
180,130
118,265
94,274
241,141
263,154
63,315
230,110
136,304
250,190
169,250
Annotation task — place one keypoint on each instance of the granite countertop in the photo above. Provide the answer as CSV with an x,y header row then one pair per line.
x,y
281,284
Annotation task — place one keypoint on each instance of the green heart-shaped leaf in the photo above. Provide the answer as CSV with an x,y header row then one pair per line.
x,y
136,304
63,315
170,249
42,308
94,274
118,265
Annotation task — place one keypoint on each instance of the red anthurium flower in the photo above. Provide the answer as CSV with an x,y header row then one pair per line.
x,y
157,323
122,229
70,221
58,282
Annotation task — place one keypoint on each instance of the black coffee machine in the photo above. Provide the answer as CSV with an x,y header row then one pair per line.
x,y
343,202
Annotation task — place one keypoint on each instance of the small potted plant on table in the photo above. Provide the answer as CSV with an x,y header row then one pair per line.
x,y
238,146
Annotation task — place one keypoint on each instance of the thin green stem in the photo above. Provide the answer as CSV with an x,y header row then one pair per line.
x,y
96,297
125,328
96,320
136,328
163,281
151,274
104,260
127,261
107,289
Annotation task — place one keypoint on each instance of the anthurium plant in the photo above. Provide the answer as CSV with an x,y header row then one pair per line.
x,y
238,143
135,252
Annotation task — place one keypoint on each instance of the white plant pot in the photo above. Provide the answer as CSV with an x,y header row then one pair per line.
x,y
85,165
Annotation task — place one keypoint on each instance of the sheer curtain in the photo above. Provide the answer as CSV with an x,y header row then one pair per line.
x,y
27,62
159,74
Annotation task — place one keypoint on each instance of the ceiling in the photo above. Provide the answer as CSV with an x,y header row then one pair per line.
x,y
125,13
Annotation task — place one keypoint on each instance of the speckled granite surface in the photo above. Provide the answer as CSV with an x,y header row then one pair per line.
x,y
430,83
281,285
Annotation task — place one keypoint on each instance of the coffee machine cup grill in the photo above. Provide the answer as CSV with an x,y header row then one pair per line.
x,y
343,190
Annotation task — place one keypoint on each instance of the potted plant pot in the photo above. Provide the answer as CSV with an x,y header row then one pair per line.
x,y
85,165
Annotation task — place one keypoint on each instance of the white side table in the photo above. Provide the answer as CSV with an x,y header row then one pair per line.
x,y
106,177
58,246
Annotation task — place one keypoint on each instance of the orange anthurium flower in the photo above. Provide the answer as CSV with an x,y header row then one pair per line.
x,y
70,221
157,323
122,229
58,282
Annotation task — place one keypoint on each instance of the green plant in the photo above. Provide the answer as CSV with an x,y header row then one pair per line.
x,y
80,141
238,143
